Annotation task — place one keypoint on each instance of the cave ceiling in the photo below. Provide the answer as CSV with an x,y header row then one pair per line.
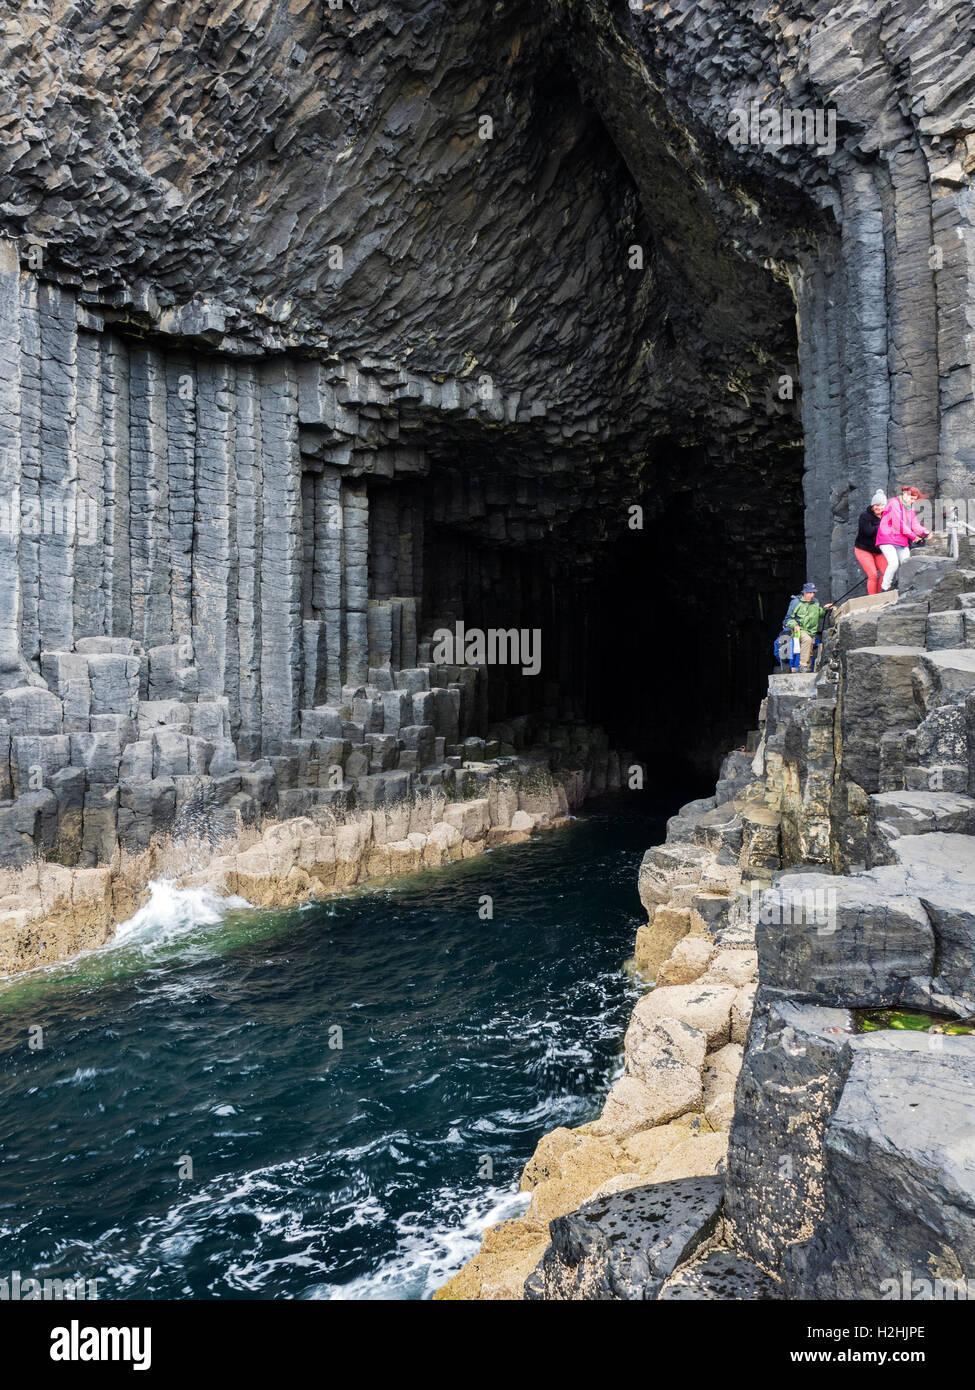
x,y
455,190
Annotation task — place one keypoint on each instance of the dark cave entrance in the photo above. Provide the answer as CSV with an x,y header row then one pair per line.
x,y
683,613
660,633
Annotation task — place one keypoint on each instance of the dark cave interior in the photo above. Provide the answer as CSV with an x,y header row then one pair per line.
x,y
656,609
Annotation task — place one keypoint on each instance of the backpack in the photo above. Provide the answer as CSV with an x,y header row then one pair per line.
x,y
794,603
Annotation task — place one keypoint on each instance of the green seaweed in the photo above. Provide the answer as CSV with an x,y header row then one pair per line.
x,y
907,1021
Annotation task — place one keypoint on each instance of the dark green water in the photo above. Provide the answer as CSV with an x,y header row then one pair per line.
x,y
361,1171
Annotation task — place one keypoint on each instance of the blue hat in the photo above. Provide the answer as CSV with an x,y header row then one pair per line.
x,y
808,588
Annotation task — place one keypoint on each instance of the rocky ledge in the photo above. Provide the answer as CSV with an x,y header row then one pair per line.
x,y
758,1143
49,912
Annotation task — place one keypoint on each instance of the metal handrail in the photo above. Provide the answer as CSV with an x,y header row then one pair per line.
x,y
952,526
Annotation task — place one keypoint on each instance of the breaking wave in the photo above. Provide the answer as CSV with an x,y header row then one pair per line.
x,y
171,912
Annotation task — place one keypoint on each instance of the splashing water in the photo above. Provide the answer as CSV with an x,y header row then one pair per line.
x,y
326,1103
172,911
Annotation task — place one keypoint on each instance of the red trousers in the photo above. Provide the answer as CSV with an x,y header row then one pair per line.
x,y
874,567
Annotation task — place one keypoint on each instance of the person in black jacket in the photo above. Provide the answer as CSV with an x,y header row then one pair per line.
x,y
865,547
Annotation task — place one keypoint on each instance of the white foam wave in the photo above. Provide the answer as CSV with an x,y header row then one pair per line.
x,y
426,1257
172,911
83,1074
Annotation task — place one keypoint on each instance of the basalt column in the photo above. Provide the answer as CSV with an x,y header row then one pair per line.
x,y
249,468
395,573
10,487
115,533
90,588
30,537
215,623
152,612
185,446
281,559
504,580
954,231
313,633
59,464
322,585
328,575
355,581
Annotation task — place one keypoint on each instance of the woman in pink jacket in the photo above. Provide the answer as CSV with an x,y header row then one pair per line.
x,y
899,525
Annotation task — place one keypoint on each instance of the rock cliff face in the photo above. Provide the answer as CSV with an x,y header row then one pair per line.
x,y
212,604
320,330
195,169
869,214
284,252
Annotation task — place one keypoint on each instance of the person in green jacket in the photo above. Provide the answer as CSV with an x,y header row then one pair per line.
x,y
806,620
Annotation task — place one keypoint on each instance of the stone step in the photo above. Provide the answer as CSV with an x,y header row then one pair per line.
x,y
850,941
681,827
720,828
878,696
723,1275
898,934
626,1245
939,870
761,838
899,1146
893,814
736,788
955,627
944,677
786,695
903,625
680,856
937,777
934,579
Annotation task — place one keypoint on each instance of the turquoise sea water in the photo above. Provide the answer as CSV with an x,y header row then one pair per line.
x,y
324,1103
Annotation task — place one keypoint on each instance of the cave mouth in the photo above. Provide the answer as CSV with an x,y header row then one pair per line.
x,y
655,559
613,470
650,613
684,611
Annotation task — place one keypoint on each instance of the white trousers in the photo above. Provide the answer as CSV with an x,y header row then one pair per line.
x,y
895,555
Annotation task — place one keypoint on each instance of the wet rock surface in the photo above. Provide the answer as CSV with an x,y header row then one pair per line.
x,y
846,1172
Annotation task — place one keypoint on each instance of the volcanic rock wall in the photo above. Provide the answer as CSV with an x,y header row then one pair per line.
x,y
311,309
874,227
212,574
386,182
319,330
775,1133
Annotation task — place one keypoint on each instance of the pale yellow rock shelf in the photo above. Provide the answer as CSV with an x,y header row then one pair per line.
x,y
49,913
